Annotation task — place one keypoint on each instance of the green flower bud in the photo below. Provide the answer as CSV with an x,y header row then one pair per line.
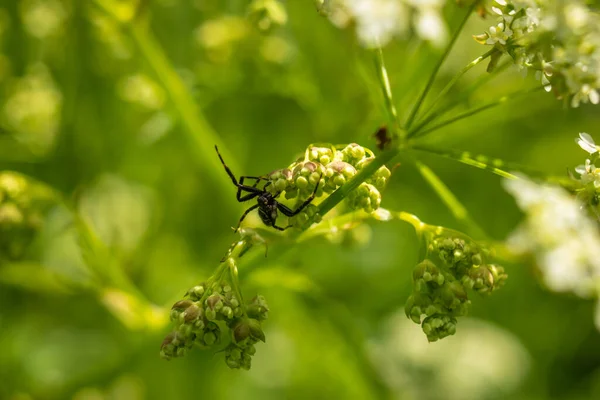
x,y
210,314
246,362
233,364
438,327
214,302
353,153
366,196
250,350
182,305
241,331
428,272
256,330
302,183
196,292
258,308
192,313
210,338
227,312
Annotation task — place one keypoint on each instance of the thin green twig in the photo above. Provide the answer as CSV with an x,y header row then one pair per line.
x,y
494,165
386,89
464,94
450,200
474,111
433,75
454,80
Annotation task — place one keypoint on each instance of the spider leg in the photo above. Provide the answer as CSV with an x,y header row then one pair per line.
x,y
244,216
257,178
279,228
241,187
289,212
253,190
246,197
235,182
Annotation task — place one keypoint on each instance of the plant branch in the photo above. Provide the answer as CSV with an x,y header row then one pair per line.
x,y
482,162
387,95
453,81
474,111
463,95
436,69
450,200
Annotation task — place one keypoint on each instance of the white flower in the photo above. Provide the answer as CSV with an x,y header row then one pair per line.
x,y
586,142
377,21
585,94
589,173
499,34
563,239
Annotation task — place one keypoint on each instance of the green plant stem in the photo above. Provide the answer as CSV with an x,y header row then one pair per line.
x,y
482,162
411,219
450,200
436,69
474,111
463,95
386,89
453,81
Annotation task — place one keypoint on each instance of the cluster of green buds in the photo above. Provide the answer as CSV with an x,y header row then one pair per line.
x,y
329,167
213,315
454,263
23,204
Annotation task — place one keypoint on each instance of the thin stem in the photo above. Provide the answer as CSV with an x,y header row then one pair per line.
x,y
447,196
453,81
474,111
411,219
463,95
433,75
387,94
482,162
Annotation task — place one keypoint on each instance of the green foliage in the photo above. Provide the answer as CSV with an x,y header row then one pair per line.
x,y
113,202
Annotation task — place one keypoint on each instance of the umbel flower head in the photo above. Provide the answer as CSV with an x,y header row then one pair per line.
x,y
559,234
453,264
588,179
329,167
560,40
214,316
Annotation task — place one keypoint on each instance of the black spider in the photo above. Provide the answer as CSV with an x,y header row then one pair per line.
x,y
267,203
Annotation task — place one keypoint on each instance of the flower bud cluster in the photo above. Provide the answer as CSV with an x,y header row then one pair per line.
x,y
329,168
454,264
559,40
213,315
23,204
588,182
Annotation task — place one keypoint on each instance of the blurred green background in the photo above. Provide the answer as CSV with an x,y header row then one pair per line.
x,y
120,115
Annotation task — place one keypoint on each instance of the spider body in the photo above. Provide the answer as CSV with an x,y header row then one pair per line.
x,y
267,204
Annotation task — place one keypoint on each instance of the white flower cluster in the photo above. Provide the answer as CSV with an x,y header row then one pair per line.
x,y
558,39
379,21
588,172
564,240
559,234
